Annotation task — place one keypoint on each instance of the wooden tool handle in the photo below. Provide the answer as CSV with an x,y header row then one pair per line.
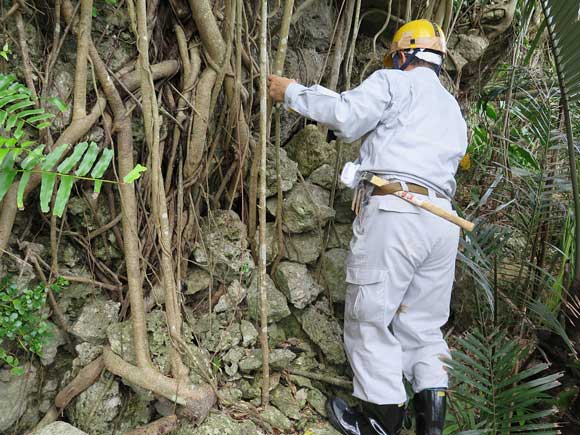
x,y
447,215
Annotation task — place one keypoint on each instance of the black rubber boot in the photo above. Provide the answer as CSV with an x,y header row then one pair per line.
x,y
349,421
430,408
389,417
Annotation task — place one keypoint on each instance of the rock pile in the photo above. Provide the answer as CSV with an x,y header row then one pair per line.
x,y
222,312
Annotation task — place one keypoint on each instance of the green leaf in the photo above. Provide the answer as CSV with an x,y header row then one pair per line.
x,y
7,174
11,98
63,194
3,153
17,371
101,167
11,122
522,157
41,117
134,173
33,158
16,107
53,157
58,103
46,188
88,160
68,163
24,179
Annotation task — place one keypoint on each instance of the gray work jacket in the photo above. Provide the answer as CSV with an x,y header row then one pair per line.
x,y
414,128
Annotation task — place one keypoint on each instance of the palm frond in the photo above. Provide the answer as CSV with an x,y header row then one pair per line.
x,y
491,395
564,32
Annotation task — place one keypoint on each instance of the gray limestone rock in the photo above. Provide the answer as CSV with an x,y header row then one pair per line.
x,y
343,207
310,150
283,399
95,409
50,346
88,352
321,429
252,361
15,395
249,333
231,360
303,248
299,247
234,355
224,248
271,242
333,273
280,359
471,47
230,395
216,333
120,338
217,424
340,235
288,172
297,284
313,30
305,208
275,418
94,319
59,428
317,400
134,413
236,293
196,280
276,335
305,361
277,303
324,330
323,176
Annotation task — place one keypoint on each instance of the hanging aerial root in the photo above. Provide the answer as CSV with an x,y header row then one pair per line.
x,y
196,145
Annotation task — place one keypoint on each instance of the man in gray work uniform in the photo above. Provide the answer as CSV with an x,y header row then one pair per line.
x,y
401,263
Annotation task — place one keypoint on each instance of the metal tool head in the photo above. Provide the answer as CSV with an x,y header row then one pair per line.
x,y
366,176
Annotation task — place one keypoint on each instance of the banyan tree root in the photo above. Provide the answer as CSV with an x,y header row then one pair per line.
x,y
197,400
87,376
158,427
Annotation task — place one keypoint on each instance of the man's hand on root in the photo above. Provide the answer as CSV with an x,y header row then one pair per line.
x,y
277,87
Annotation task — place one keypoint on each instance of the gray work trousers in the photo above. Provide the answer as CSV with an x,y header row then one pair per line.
x,y
400,271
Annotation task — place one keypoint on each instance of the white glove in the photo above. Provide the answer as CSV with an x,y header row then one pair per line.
x,y
350,174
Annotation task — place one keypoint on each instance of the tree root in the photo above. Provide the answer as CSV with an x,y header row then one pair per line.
x,y
197,400
198,135
86,377
158,427
322,378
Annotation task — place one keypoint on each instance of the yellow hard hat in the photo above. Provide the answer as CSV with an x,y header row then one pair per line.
x,y
417,34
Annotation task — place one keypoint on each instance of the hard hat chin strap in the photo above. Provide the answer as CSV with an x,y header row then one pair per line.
x,y
410,55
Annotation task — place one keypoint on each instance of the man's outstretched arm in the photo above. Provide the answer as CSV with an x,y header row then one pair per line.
x,y
350,114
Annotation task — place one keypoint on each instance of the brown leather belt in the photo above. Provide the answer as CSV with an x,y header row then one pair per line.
x,y
391,188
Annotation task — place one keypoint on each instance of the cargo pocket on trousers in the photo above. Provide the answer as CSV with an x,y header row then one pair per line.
x,y
365,295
